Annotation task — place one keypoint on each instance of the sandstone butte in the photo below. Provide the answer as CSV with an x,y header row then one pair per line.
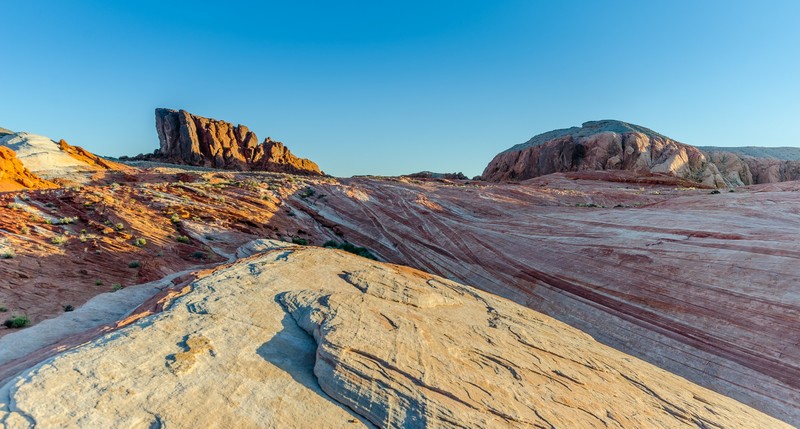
x,y
617,145
309,337
195,140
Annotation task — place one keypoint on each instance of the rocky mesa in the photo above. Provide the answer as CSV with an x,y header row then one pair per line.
x,y
305,337
194,140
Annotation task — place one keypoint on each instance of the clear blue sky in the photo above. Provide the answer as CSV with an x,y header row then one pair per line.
x,y
391,87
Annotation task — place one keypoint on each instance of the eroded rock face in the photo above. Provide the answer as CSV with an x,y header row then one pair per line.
x,y
14,175
615,145
602,145
194,140
320,338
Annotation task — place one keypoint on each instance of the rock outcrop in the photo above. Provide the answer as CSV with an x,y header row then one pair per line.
x,y
616,145
602,145
194,140
14,176
320,338
50,160
432,175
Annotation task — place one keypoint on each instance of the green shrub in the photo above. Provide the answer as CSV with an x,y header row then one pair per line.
x,y
67,220
182,239
348,247
117,286
7,254
300,241
175,218
58,239
3,308
17,322
119,226
139,242
98,282
134,264
67,308
199,255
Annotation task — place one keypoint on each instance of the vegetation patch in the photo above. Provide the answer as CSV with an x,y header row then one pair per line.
x,y
348,247
16,322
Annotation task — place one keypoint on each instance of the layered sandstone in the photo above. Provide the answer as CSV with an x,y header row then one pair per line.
x,y
602,145
195,140
616,145
57,161
304,337
14,176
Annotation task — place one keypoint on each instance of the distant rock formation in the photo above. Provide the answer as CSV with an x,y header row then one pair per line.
x,y
432,175
309,337
195,140
616,145
602,145
14,176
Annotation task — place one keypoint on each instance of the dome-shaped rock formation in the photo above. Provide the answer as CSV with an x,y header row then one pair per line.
x,y
602,145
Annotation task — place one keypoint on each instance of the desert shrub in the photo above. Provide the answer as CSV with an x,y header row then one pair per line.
x,y
119,226
7,254
98,282
175,218
309,192
17,322
139,242
348,247
67,308
58,239
300,241
25,230
3,308
715,191
117,286
66,220
182,239
134,264
199,255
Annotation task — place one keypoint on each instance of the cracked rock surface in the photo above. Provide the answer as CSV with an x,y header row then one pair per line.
x,y
310,337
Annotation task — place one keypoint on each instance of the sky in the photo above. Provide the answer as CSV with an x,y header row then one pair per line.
x,y
395,87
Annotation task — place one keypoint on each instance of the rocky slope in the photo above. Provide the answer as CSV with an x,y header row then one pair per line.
x,y
14,176
700,284
57,161
194,140
319,338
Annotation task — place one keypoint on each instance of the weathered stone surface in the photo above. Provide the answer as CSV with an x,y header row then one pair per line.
x,y
194,140
57,161
14,175
702,285
304,337
602,145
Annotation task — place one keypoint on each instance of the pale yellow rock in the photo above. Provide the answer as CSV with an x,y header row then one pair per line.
x,y
317,338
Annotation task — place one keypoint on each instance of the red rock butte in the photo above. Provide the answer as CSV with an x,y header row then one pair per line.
x,y
195,140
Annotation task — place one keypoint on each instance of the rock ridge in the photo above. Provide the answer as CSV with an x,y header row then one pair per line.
x,y
194,140
617,145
